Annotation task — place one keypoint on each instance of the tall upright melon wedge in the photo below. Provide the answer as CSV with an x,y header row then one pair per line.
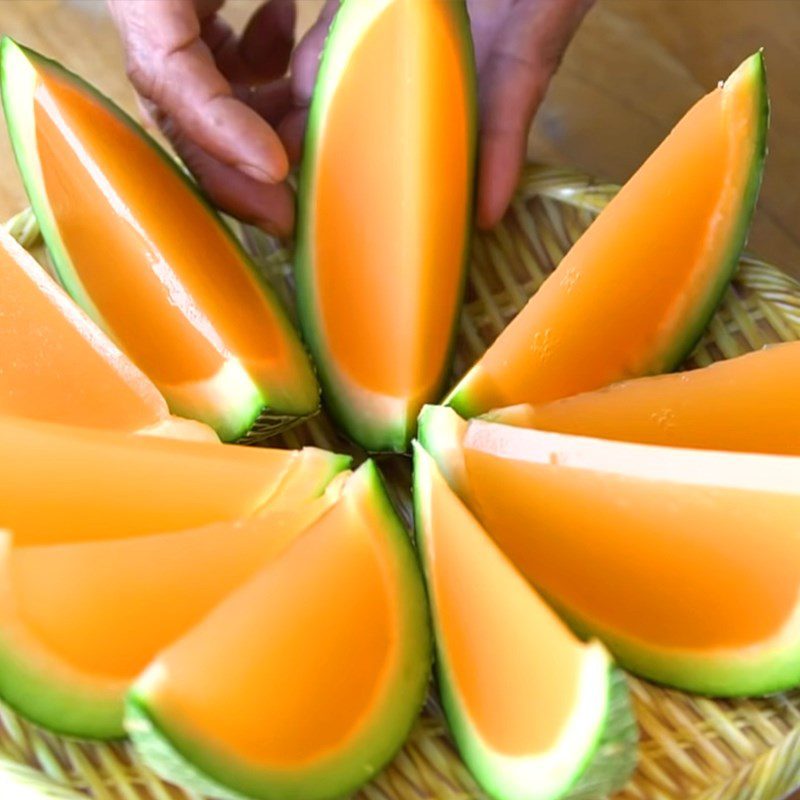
x,y
138,248
747,403
683,562
636,290
306,680
385,210
536,713
80,620
57,365
59,484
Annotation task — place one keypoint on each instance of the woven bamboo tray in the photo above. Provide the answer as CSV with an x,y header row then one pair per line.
x,y
691,748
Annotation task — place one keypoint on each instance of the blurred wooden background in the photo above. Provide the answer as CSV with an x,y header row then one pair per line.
x,y
633,69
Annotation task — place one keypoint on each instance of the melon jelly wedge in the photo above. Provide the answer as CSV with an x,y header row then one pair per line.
x,y
304,683
536,713
56,365
636,290
59,484
685,563
749,403
137,247
81,619
385,209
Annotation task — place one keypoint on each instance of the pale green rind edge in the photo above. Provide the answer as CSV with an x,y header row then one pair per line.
x,y
76,711
685,339
729,259
766,669
438,431
176,758
269,405
615,757
374,434
602,769
73,706
63,710
157,752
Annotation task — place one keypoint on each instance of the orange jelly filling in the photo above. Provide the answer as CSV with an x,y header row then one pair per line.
x,y
391,202
666,562
166,282
93,385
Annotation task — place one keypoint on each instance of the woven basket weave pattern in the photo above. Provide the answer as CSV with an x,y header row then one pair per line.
x,y
692,748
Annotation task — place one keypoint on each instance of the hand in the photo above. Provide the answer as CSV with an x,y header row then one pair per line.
x,y
217,97
518,47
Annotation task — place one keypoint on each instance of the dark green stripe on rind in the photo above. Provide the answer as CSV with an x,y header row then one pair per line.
x,y
298,401
374,434
178,759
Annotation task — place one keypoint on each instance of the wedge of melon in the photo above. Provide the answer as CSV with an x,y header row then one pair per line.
x,y
57,365
536,713
684,562
305,681
137,247
634,293
747,403
385,210
59,483
79,621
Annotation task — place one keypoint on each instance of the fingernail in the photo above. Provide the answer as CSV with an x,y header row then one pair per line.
x,y
264,174
257,173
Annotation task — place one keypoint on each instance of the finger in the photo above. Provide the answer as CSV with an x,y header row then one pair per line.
x,y
205,8
272,101
223,43
268,40
147,113
269,206
170,66
305,60
263,51
511,96
292,129
513,83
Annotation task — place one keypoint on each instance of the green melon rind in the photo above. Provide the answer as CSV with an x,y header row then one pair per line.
x,y
759,670
47,691
60,712
232,416
174,755
373,431
75,710
602,768
74,707
769,667
693,326
440,432
615,757
754,71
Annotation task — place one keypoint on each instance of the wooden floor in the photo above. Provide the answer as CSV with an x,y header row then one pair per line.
x,y
633,69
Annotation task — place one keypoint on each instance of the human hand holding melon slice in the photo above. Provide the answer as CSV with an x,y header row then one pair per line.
x,y
220,98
